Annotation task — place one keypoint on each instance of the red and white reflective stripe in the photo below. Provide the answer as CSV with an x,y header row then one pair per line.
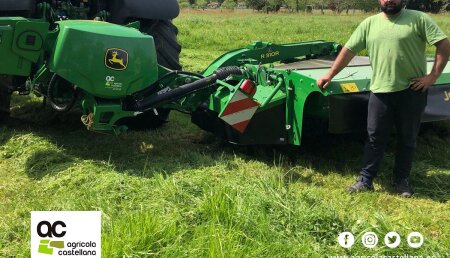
x,y
239,111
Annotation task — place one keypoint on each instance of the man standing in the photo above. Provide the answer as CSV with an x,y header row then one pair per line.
x,y
395,39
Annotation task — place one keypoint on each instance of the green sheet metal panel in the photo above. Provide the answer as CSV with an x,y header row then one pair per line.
x,y
29,38
104,59
12,63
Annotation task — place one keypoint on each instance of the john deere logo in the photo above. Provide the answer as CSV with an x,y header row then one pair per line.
x,y
116,59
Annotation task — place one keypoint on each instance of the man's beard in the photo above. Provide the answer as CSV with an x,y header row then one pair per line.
x,y
391,9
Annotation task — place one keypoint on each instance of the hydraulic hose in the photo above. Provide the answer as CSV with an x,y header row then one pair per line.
x,y
167,95
155,86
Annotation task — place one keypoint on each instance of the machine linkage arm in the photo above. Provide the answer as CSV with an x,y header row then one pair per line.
x,y
144,103
265,52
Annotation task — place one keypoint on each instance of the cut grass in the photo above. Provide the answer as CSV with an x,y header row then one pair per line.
x,y
181,192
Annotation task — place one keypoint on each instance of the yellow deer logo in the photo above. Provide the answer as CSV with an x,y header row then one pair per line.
x,y
116,59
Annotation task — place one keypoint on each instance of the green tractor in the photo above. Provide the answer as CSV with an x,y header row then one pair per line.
x,y
119,77
155,18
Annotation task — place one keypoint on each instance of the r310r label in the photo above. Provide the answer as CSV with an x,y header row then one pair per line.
x,y
270,54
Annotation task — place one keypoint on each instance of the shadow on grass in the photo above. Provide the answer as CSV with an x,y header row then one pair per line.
x,y
5,134
179,146
164,151
45,162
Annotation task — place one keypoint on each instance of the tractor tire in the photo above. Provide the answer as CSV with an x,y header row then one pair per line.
x,y
5,102
168,51
165,35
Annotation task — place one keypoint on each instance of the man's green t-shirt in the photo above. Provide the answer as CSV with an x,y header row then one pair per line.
x,y
396,47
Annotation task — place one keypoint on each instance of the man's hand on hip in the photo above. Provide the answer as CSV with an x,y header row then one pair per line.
x,y
423,83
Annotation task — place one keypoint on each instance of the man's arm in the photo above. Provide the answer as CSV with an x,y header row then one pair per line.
x,y
441,59
342,60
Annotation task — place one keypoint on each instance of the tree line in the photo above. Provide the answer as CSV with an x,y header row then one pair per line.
x,y
338,6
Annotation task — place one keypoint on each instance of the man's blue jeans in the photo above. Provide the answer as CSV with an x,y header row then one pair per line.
x,y
403,110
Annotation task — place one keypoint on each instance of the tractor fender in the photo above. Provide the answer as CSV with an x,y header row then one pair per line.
x,y
122,10
17,6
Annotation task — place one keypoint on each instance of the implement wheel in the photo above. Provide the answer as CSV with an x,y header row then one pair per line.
x,y
168,51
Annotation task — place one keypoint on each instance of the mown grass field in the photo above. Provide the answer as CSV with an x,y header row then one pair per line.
x,y
181,192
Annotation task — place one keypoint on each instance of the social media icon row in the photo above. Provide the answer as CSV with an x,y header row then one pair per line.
x,y
391,239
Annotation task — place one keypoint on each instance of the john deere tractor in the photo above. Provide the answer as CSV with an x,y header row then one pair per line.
x,y
119,77
154,17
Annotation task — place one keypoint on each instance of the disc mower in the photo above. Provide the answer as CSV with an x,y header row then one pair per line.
x,y
263,93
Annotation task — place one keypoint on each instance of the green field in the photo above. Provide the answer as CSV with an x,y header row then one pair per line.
x,y
179,191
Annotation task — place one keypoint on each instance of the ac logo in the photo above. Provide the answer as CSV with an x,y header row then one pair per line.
x,y
446,95
109,80
65,233
47,229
